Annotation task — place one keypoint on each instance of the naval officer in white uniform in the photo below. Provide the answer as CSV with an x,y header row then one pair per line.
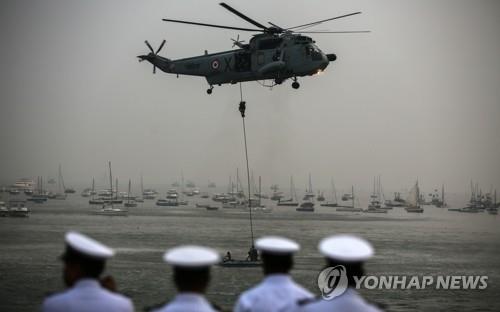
x,y
278,291
191,265
351,252
84,261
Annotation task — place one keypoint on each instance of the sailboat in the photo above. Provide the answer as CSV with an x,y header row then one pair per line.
x,y
309,191
307,203
61,190
107,208
130,199
413,200
292,201
93,200
375,206
140,199
334,202
350,208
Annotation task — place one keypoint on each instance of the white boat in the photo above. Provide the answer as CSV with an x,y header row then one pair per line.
x,y
17,208
413,200
4,212
108,209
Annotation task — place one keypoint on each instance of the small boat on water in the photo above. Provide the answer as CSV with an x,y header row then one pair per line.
x,y
207,206
86,192
167,202
320,197
4,212
240,263
414,200
307,206
204,195
17,208
14,191
109,210
396,202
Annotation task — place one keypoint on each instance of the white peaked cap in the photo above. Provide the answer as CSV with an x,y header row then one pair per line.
x,y
277,245
346,247
88,246
191,256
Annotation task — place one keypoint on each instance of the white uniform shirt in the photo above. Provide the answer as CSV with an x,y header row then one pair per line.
x,y
87,295
277,292
188,302
350,301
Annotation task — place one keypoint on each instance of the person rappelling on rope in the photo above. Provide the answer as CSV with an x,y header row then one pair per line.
x,y
242,108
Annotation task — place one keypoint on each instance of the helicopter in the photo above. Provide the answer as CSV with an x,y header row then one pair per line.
x,y
274,53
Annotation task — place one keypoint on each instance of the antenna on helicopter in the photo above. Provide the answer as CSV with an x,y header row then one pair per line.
x,y
152,54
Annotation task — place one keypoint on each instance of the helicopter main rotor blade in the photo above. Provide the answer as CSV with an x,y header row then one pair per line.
x,y
325,20
161,46
210,25
241,15
333,32
149,46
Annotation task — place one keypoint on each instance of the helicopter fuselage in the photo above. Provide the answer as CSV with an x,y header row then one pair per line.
x,y
265,57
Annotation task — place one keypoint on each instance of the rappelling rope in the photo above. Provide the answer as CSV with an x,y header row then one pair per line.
x,y
242,108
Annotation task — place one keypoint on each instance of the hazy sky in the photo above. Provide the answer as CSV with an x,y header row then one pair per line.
x,y
417,97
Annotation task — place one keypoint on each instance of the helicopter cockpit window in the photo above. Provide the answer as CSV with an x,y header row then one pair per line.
x,y
273,43
315,53
303,39
309,50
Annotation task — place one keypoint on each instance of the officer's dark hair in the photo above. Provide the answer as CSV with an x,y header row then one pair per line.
x,y
353,269
89,266
191,279
276,263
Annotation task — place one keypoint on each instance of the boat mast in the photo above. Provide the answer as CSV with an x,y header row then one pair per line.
x,y
128,195
260,184
352,195
442,194
142,187
110,184
93,188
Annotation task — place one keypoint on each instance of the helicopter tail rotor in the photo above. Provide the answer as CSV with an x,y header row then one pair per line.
x,y
152,54
237,42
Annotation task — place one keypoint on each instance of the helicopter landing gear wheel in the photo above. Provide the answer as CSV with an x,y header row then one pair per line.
x,y
209,91
295,85
278,81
